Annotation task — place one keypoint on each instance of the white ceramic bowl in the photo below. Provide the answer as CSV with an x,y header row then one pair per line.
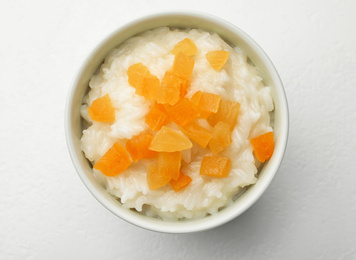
x,y
233,35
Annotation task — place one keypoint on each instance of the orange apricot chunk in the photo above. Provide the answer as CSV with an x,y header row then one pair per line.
x,y
156,117
195,99
102,110
221,137
215,166
263,146
197,133
170,89
154,179
114,161
217,59
184,84
135,73
138,145
227,112
183,66
181,113
168,140
185,46
205,103
169,164
148,86
182,182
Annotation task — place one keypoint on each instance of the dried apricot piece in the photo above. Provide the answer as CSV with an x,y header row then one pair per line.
x,y
205,103
183,66
195,99
197,133
221,137
263,146
148,86
136,72
187,46
217,59
169,164
168,140
182,182
227,112
102,110
154,179
114,161
170,89
156,117
215,166
184,84
138,145
181,113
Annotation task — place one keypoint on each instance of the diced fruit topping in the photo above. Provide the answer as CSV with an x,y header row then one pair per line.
x,y
156,117
205,103
183,87
215,166
136,73
115,161
182,182
182,112
263,146
154,179
197,133
169,164
186,46
168,140
102,110
221,137
217,59
166,169
170,89
138,145
183,66
227,112
148,86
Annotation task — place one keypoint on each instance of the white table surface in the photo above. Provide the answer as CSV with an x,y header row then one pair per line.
x,y
309,211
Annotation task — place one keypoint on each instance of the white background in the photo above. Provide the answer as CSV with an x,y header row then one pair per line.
x,y
308,212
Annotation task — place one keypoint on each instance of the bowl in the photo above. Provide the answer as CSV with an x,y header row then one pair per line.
x,y
231,34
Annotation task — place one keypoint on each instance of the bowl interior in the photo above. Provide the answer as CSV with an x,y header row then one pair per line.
x,y
232,35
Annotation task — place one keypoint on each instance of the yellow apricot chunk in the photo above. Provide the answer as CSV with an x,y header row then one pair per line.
x,y
135,73
169,164
221,137
197,133
217,59
185,46
183,66
154,179
263,146
215,166
102,110
148,86
227,112
168,140
205,103
114,161
170,89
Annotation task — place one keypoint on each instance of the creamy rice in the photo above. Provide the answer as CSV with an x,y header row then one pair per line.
x,y
238,81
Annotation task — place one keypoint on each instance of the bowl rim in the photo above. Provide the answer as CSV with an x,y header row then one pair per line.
x,y
230,212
